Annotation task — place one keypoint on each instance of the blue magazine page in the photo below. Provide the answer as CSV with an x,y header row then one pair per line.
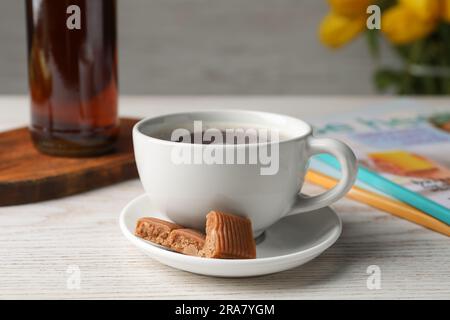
x,y
403,149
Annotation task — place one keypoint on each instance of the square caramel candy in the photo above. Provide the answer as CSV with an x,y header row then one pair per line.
x,y
186,241
155,230
228,237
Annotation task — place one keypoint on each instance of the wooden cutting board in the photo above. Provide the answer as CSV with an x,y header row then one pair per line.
x,y
28,176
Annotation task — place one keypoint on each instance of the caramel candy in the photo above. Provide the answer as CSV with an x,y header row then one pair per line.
x,y
228,237
186,241
155,230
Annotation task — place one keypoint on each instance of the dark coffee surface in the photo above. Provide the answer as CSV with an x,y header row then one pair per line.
x,y
217,133
236,137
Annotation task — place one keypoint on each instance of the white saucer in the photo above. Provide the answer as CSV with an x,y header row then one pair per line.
x,y
289,243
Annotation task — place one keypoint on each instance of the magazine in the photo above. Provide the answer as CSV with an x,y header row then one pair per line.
x,y
403,150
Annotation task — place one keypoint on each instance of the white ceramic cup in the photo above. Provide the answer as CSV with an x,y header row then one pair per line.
x,y
186,192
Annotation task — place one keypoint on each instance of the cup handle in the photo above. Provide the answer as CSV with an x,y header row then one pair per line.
x,y
349,168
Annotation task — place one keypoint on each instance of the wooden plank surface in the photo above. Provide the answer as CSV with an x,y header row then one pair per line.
x,y
40,244
27,175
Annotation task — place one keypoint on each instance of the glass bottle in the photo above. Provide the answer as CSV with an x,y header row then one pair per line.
x,y
73,81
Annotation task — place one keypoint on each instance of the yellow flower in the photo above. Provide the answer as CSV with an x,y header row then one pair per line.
x,y
350,8
445,10
336,30
424,9
346,21
402,25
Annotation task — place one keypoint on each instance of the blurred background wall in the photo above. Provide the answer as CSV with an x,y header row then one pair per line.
x,y
213,47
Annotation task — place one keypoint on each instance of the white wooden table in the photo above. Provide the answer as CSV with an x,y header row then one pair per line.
x,y
39,243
